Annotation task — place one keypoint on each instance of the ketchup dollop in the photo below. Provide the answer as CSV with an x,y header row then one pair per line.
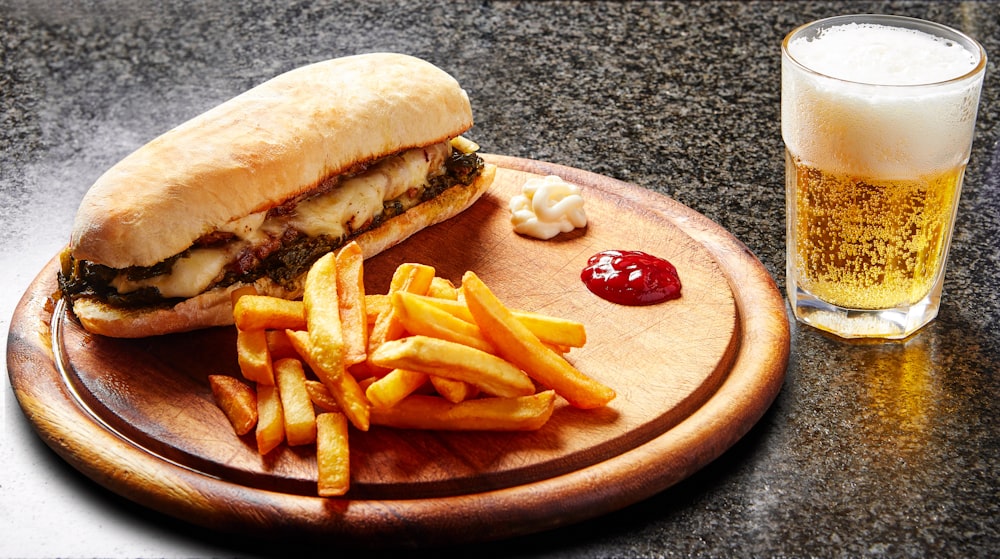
x,y
631,277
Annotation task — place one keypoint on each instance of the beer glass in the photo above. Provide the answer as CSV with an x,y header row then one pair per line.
x,y
877,116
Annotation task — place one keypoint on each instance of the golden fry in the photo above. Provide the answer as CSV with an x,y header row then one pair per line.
x,y
420,317
332,455
412,278
366,382
320,396
254,356
376,304
260,312
343,387
559,349
518,345
549,329
393,387
454,391
322,310
553,330
237,401
454,307
526,413
279,346
351,291
455,361
442,288
416,357
270,419
235,294
296,406
366,370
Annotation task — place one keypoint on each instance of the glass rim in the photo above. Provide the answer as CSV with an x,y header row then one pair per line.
x,y
896,21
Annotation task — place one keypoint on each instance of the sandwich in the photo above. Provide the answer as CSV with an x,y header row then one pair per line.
x,y
366,148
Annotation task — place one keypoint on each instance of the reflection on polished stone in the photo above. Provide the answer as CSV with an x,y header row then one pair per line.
x,y
902,390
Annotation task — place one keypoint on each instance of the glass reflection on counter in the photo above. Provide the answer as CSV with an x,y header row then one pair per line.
x,y
903,394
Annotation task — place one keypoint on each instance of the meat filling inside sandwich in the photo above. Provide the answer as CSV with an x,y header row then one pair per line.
x,y
282,242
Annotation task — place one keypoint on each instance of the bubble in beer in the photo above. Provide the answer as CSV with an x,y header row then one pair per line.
x,y
877,54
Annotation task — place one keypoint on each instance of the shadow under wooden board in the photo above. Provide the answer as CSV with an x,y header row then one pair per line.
x,y
692,376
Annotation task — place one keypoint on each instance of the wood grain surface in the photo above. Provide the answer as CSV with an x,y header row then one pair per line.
x,y
692,376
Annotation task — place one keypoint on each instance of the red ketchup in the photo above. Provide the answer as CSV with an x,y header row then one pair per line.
x,y
631,277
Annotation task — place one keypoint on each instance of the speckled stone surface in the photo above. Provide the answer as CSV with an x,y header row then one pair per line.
x,y
877,450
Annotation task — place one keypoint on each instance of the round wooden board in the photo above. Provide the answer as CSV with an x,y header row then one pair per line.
x,y
692,376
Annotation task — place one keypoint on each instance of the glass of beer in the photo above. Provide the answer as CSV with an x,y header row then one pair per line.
x,y
877,116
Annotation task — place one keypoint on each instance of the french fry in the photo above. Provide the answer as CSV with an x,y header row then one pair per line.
x,y
366,382
549,329
270,419
320,396
279,346
417,357
237,401
412,278
520,346
442,288
454,307
351,295
252,352
366,370
420,317
375,305
254,357
552,330
343,387
235,294
560,349
296,406
260,312
322,310
393,387
455,361
526,413
454,391
332,455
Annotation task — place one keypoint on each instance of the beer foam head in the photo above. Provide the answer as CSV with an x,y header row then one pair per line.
x,y
877,54
879,103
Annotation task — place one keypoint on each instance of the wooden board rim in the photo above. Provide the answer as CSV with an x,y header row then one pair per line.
x,y
752,384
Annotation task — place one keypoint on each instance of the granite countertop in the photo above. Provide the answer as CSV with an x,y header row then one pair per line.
x,y
871,449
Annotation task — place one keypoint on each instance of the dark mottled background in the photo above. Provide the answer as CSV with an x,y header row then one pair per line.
x,y
883,450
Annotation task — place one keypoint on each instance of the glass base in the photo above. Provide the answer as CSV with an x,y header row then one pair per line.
x,y
890,324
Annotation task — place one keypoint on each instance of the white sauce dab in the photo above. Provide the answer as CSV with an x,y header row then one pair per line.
x,y
546,207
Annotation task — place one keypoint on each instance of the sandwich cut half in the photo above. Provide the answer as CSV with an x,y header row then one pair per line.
x,y
253,191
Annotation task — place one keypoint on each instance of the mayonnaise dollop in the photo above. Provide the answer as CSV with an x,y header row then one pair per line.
x,y
546,207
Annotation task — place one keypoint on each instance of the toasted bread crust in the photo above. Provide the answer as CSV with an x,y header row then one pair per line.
x,y
275,141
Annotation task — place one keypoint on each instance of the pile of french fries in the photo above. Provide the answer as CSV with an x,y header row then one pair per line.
x,y
425,355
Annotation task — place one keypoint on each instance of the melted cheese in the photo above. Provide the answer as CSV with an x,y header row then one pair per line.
x,y
248,228
195,271
343,209
359,199
338,212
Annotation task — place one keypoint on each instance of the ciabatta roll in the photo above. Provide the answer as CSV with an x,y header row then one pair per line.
x,y
363,148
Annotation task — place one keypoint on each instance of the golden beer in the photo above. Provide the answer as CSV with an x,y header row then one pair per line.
x,y
877,115
868,242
